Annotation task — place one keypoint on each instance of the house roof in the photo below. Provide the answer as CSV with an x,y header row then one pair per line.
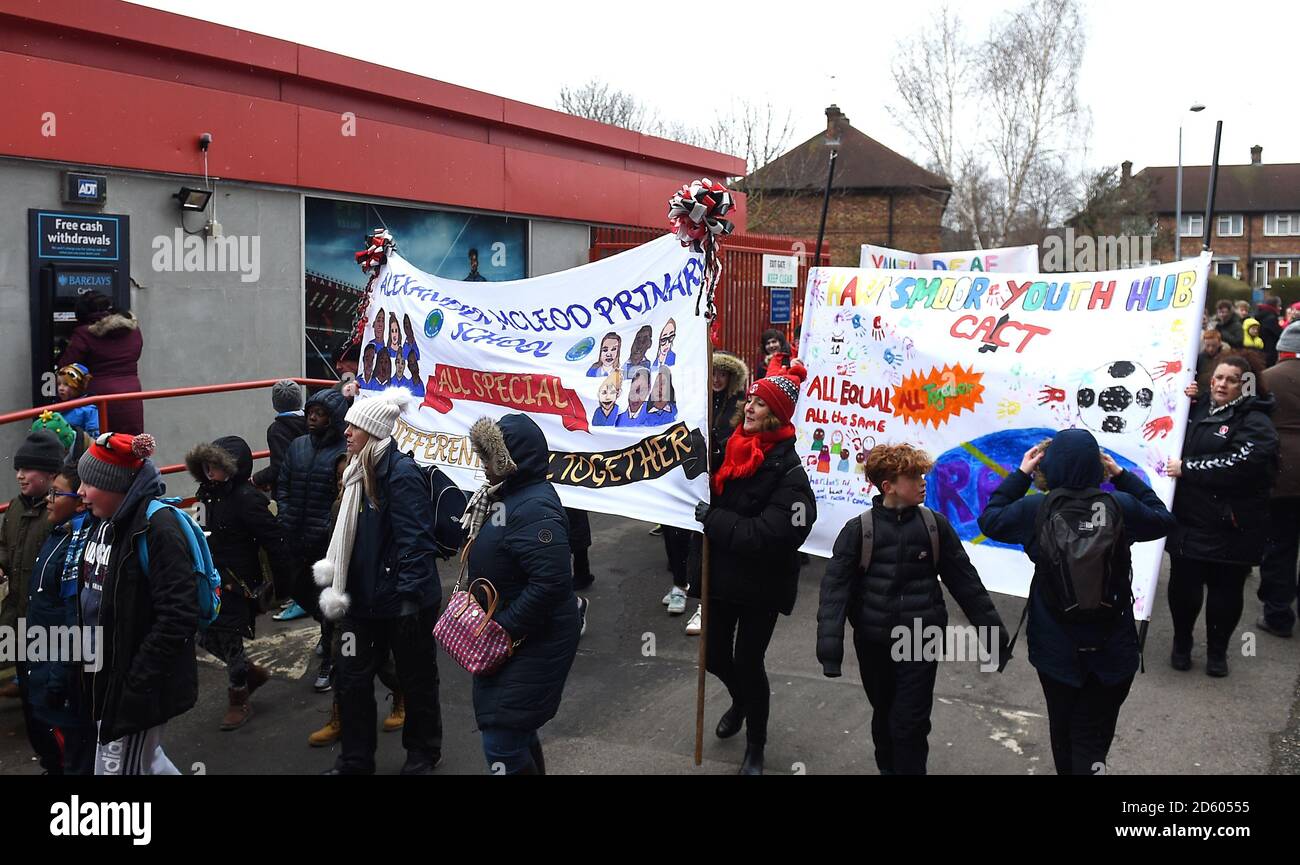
x,y
863,164
1250,188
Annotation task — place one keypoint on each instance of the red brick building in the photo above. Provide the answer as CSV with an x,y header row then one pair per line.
x,y
877,195
1256,231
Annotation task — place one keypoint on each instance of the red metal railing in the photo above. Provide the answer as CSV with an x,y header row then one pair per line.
x,y
103,401
744,305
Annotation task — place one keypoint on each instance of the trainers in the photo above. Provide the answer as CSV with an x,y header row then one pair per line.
x,y
668,598
323,683
676,601
583,603
657,531
291,612
693,624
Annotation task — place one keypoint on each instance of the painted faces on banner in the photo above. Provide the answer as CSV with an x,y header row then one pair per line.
x,y
609,359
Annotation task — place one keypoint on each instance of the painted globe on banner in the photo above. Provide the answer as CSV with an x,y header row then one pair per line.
x,y
964,477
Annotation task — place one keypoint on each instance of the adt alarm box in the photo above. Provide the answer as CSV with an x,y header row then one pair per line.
x,y
70,255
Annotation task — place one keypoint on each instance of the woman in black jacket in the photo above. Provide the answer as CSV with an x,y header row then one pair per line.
x,y
1228,462
727,390
762,511
526,557
238,519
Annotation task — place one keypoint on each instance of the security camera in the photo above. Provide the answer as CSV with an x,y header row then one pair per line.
x,y
205,140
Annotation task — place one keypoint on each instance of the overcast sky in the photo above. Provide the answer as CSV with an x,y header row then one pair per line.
x,y
1146,61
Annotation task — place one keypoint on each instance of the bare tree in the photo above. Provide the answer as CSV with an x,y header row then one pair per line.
x,y
998,119
1029,79
596,100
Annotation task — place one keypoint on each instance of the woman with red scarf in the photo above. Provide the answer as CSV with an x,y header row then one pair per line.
x,y
762,511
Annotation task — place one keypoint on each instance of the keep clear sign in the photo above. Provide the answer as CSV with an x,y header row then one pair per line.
x,y
780,271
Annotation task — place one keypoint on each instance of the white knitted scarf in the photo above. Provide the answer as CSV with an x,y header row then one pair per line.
x,y
331,572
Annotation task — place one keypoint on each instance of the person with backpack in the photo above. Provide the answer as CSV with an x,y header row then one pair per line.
x,y
884,578
138,588
761,512
239,521
380,584
1081,632
1227,468
304,499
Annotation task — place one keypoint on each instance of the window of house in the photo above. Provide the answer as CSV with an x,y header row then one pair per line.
x,y
1281,224
1193,225
1260,279
1282,269
1226,268
1229,225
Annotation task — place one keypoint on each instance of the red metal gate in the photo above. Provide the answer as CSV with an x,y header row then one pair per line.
x,y
744,305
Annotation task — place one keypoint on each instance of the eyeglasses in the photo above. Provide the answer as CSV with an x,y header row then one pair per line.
x,y
665,340
55,494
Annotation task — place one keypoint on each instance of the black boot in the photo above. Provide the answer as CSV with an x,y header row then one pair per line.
x,y
1216,664
1181,657
753,762
421,762
539,759
730,722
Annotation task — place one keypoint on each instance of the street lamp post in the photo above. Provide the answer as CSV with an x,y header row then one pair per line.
x,y
1178,192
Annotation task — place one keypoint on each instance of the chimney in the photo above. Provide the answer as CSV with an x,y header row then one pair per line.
x,y
1126,171
835,123
1256,155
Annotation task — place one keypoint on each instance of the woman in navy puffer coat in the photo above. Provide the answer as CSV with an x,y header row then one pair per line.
x,y
526,557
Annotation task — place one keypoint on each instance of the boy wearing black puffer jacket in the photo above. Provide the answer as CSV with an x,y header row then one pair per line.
x,y
896,593
305,494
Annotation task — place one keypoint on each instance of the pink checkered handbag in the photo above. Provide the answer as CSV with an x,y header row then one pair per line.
x,y
467,632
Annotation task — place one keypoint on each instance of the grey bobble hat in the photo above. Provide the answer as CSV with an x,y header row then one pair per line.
x,y
286,395
1290,338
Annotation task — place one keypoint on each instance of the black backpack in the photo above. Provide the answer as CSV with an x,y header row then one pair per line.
x,y
1087,573
449,502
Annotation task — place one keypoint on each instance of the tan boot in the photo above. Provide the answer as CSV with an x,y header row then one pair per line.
x,y
330,733
240,710
257,677
397,718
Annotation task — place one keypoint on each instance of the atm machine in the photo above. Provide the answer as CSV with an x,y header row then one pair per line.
x,y
69,255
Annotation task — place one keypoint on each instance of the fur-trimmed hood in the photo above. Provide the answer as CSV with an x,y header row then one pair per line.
x,y
114,321
231,454
738,369
515,446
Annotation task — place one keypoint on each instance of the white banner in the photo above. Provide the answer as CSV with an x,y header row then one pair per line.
x,y
1009,259
609,359
975,369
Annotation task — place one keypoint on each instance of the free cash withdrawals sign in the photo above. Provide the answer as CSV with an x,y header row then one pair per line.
x,y
975,368
609,359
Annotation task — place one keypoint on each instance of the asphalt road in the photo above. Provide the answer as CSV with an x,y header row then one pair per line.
x,y
629,703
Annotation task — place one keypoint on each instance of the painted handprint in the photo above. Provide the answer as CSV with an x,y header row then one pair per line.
x,y
1161,427
1050,395
1168,367
877,328
909,347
